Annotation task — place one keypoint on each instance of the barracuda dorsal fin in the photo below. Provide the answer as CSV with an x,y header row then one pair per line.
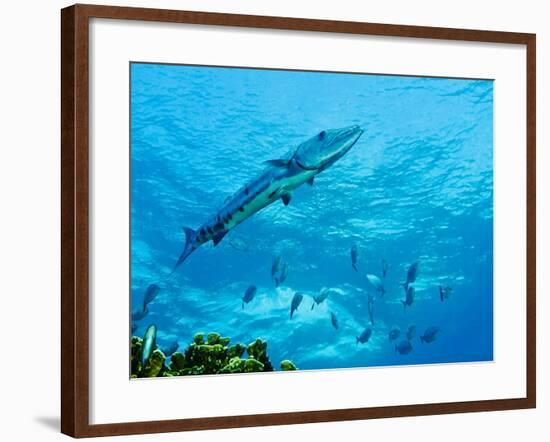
x,y
278,163
286,197
216,240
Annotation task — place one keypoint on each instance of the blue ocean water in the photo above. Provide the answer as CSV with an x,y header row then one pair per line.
x,y
417,187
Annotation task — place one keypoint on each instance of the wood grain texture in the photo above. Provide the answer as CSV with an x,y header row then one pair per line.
x,y
75,219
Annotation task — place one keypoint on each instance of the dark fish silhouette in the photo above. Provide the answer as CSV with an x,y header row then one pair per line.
x,y
409,297
320,298
364,336
282,275
445,292
150,294
384,268
404,347
334,320
296,301
430,335
411,274
275,267
249,295
353,253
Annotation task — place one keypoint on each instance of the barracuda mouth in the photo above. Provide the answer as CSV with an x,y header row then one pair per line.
x,y
326,147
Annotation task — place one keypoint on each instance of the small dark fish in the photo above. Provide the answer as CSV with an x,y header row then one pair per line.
x,y
275,267
371,309
411,274
404,347
384,268
376,283
394,334
409,297
249,295
353,253
138,315
411,332
445,292
364,337
430,334
151,293
171,349
334,320
149,344
296,301
320,298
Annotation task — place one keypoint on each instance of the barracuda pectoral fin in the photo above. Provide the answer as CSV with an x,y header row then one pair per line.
x,y
217,238
286,197
310,181
278,163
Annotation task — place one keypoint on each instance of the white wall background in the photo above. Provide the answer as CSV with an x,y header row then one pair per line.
x,y
29,217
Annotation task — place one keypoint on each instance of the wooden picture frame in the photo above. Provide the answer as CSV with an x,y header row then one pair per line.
x,y
75,247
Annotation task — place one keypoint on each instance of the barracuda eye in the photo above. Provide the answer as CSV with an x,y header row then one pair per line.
x,y
322,135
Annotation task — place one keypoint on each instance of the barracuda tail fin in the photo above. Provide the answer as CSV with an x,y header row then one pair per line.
x,y
190,236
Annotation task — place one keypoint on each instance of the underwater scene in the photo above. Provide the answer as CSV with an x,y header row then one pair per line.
x,y
297,220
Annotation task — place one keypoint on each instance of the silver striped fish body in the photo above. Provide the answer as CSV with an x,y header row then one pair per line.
x,y
149,344
269,187
276,182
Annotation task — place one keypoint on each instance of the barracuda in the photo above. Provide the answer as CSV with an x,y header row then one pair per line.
x,y
276,182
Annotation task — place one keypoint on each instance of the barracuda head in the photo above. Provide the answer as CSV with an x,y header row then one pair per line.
x,y
326,147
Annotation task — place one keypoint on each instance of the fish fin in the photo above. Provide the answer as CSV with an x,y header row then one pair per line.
x,y
312,306
310,181
354,266
440,293
190,236
278,163
291,313
218,237
286,197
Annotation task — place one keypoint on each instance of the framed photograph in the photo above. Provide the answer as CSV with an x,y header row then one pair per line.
x,y
272,220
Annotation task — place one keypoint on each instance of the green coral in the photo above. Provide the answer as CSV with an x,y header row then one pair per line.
x,y
198,338
258,351
154,365
287,365
135,355
213,338
207,354
252,365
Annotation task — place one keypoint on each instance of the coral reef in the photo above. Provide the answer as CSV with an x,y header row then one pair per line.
x,y
287,365
207,354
